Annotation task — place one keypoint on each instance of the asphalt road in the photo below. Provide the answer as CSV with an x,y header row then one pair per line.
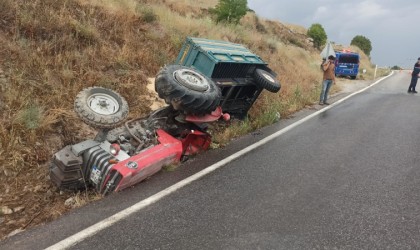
x,y
347,178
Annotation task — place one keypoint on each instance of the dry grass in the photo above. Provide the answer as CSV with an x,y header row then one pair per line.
x,y
193,4
50,50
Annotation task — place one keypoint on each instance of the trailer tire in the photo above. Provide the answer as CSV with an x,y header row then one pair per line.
x,y
187,89
100,107
266,80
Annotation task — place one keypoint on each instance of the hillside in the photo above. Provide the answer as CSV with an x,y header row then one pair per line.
x,y
50,50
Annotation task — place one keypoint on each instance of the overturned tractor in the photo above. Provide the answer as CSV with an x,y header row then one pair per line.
x,y
212,80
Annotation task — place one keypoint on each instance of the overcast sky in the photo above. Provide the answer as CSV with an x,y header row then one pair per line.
x,y
392,26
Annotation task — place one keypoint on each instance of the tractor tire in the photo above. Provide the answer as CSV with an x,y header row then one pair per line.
x,y
100,107
187,90
266,80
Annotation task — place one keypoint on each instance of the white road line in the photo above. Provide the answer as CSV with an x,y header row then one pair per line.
x,y
92,230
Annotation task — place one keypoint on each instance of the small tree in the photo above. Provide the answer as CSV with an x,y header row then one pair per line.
x,y
317,33
230,11
363,43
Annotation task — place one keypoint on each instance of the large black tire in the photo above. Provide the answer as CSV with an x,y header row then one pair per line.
x,y
101,108
187,89
266,80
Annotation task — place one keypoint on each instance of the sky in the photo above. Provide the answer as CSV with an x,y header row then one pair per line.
x,y
392,26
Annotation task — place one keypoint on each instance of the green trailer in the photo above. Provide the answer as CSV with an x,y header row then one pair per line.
x,y
239,74
218,59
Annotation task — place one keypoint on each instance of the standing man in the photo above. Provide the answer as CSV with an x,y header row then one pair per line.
x,y
414,77
329,79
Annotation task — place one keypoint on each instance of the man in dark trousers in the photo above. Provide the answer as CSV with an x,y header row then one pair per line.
x,y
329,78
414,77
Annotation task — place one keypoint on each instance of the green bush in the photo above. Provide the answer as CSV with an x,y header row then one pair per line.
x,y
229,11
317,32
363,43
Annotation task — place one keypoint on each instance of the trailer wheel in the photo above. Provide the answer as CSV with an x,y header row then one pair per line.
x,y
100,107
187,89
266,80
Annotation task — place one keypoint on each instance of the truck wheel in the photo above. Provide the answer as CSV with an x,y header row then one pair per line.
x,y
353,77
101,108
187,89
266,80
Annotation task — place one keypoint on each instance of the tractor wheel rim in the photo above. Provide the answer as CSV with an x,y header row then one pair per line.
x,y
103,104
191,78
268,77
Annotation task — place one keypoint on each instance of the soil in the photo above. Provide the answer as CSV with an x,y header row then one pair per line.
x,y
40,201
346,85
156,101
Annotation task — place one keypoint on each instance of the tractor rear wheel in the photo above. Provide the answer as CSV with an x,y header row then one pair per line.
x,y
187,89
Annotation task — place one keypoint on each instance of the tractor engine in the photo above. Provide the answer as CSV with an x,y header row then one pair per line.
x,y
125,155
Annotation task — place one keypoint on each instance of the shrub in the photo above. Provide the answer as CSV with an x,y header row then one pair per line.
x,y
148,15
363,43
317,32
230,11
30,117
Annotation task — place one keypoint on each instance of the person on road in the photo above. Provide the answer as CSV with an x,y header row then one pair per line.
x,y
414,77
329,79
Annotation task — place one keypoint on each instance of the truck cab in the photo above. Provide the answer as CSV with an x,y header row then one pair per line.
x,y
347,64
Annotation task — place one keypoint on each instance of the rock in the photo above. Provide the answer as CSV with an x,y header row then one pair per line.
x,y
5,210
49,193
9,173
37,188
70,202
1,220
18,209
15,232
11,222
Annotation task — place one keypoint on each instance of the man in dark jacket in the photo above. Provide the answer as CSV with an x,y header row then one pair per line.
x,y
414,77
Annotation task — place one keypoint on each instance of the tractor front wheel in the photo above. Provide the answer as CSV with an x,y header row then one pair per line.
x,y
100,107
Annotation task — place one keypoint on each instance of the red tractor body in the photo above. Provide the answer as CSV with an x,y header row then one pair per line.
x,y
98,164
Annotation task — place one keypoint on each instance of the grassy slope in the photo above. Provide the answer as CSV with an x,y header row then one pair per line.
x,y
50,50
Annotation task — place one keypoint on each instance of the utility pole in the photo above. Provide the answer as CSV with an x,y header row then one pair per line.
x,y
374,75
